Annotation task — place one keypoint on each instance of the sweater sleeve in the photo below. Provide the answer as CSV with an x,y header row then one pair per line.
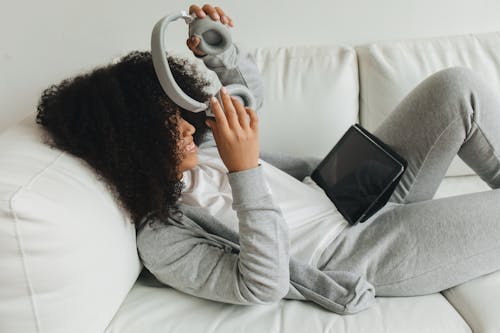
x,y
197,265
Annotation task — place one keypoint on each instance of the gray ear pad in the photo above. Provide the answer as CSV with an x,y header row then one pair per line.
x,y
215,36
242,94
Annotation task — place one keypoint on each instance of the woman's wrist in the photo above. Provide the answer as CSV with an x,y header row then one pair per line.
x,y
243,169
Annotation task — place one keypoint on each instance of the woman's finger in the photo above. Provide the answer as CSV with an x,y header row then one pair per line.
x,y
210,11
197,10
230,21
220,117
229,110
192,43
254,120
241,112
223,17
216,13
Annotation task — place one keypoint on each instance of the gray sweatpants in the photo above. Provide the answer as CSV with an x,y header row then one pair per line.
x,y
418,245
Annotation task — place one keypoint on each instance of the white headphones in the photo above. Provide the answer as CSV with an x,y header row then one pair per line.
x,y
215,38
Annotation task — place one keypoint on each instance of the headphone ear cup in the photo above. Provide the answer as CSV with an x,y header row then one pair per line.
x,y
243,94
215,36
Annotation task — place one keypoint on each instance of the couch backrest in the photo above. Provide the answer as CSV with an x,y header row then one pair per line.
x,y
311,93
311,97
68,252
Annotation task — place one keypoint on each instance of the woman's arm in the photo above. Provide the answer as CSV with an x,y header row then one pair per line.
x,y
196,264
187,261
260,272
233,66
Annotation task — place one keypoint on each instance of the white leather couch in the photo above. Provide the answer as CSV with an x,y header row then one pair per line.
x,y
69,262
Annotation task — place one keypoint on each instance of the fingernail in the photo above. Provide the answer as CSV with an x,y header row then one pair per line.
x,y
223,90
213,99
216,16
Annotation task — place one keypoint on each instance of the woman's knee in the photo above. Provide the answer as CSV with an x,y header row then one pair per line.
x,y
456,87
455,81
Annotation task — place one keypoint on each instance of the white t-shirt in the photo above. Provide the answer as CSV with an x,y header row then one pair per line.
x,y
313,220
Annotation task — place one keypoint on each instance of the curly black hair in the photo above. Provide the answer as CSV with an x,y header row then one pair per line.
x,y
118,120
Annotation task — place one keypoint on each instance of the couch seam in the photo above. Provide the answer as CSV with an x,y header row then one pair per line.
x,y
19,241
457,308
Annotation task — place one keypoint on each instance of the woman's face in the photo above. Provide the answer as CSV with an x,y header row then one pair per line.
x,y
186,146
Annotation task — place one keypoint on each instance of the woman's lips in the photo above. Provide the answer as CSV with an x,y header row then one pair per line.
x,y
190,148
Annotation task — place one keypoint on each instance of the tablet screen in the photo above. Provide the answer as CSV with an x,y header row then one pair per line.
x,y
356,173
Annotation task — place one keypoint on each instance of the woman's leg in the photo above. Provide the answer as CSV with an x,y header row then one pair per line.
x,y
449,241
451,112
424,246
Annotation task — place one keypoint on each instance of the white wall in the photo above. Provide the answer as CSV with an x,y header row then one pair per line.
x,y
42,42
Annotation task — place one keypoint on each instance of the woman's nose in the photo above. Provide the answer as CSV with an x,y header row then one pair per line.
x,y
186,128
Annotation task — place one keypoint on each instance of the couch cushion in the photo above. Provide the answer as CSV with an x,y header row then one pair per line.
x,y
68,252
163,309
390,70
478,301
311,97
458,185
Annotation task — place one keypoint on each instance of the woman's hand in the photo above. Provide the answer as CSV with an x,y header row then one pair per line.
x,y
235,134
216,13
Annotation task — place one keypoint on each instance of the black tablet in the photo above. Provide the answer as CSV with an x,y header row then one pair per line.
x,y
359,174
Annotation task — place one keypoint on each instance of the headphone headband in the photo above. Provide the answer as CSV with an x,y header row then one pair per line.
x,y
162,68
215,38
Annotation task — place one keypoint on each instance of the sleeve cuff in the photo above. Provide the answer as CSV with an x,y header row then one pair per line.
x,y
248,185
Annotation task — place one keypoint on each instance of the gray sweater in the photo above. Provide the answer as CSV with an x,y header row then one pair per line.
x,y
196,254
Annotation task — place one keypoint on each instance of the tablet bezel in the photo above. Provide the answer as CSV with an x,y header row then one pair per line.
x,y
399,161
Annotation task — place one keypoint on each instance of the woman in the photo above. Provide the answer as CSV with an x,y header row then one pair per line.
x,y
118,120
